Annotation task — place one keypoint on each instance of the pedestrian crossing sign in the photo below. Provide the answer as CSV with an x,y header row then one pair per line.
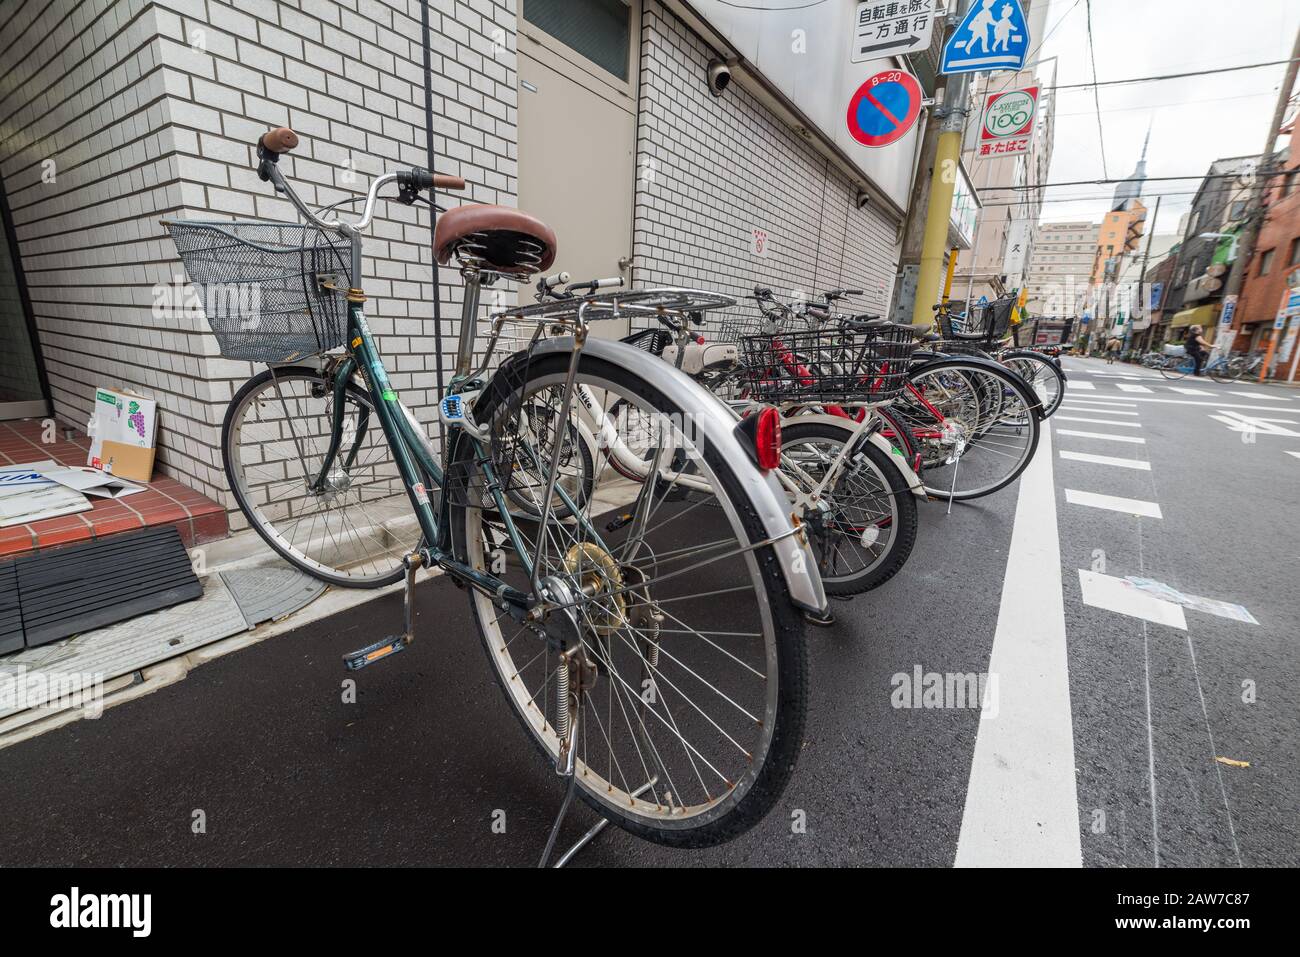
x,y
992,36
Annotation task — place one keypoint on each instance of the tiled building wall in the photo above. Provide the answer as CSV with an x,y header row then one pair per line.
x,y
87,167
151,110
710,170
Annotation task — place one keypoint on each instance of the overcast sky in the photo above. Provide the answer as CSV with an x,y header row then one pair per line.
x,y
1196,120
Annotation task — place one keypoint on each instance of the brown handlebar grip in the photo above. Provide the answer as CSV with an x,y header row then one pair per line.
x,y
443,181
280,140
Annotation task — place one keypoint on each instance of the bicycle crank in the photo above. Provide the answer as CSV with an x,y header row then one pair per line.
x,y
387,647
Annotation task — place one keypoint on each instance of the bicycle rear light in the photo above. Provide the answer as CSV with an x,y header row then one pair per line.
x,y
760,434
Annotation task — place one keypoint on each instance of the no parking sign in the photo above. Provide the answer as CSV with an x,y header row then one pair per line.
x,y
884,108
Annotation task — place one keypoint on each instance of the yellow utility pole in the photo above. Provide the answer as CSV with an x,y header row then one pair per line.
x,y
943,183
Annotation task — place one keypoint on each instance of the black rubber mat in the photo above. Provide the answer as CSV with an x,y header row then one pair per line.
x,y
11,620
83,587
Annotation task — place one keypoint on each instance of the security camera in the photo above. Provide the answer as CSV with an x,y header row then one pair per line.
x,y
863,199
719,77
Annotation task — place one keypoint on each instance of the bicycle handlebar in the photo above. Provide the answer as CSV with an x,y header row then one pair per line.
x,y
274,143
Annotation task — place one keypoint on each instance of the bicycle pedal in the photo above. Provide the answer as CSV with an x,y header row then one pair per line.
x,y
363,657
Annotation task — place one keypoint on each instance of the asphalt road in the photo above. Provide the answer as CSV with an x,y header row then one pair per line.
x,y
1102,750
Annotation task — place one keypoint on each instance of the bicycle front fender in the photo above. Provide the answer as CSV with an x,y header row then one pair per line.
x,y
714,423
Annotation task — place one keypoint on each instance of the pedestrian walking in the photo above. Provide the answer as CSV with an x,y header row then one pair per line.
x,y
1113,349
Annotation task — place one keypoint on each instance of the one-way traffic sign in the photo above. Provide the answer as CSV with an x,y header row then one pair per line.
x,y
887,29
992,36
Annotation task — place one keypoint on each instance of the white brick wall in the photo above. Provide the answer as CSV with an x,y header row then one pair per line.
x,y
151,110
711,169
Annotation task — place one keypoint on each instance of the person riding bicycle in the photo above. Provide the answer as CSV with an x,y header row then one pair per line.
x,y
1113,349
1197,348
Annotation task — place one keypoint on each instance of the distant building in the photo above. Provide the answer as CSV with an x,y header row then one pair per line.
x,y
1275,261
1060,268
1208,248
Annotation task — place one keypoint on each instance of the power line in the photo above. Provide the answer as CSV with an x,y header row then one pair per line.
x,y
1148,179
1156,106
1168,76
1096,98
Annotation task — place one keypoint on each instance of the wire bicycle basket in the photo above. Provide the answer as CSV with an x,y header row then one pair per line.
x,y
271,292
841,365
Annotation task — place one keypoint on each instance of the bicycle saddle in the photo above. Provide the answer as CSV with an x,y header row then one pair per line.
x,y
498,238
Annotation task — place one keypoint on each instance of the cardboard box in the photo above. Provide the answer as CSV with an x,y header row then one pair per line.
x,y
122,429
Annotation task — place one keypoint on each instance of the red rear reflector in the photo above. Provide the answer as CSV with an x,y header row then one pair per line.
x,y
767,438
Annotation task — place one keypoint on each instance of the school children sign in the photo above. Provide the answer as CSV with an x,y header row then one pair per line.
x,y
1007,125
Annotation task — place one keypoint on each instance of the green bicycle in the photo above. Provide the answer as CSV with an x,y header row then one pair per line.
x,y
649,638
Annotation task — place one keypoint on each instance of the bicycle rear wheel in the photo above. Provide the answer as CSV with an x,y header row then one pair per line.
x,y
1178,368
691,729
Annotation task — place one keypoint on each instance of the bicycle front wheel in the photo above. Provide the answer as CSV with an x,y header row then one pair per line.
x,y
868,531
691,728
349,524
1041,374
971,446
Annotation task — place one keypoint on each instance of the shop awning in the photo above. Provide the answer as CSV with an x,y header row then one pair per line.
x,y
1200,316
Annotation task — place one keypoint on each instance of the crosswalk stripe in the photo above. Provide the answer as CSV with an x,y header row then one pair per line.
x,y
1076,418
1090,386
1108,409
1136,440
1294,454
1115,594
1137,464
1186,391
1124,387
1258,395
1113,503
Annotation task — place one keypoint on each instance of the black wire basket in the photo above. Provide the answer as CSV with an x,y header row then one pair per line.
x,y
271,292
843,364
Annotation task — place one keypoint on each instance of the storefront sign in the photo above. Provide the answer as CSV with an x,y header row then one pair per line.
x,y
1007,126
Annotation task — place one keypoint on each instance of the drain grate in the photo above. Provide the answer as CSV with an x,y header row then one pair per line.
x,y
267,593
82,587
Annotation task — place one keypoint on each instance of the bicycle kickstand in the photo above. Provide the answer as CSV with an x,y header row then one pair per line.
x,y
573,679
386,647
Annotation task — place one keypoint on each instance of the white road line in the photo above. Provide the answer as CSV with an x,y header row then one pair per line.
x,y
1186,391
1211,405
1117,595
1132,388
1133,439
1294,454
1244,423
1109,410
1090,386
1022,801
1107,460
1113,503
1075,418
1102,400
1259,395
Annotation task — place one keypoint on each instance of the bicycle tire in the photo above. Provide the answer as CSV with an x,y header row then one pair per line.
x,y
238,481
903,525
759,788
